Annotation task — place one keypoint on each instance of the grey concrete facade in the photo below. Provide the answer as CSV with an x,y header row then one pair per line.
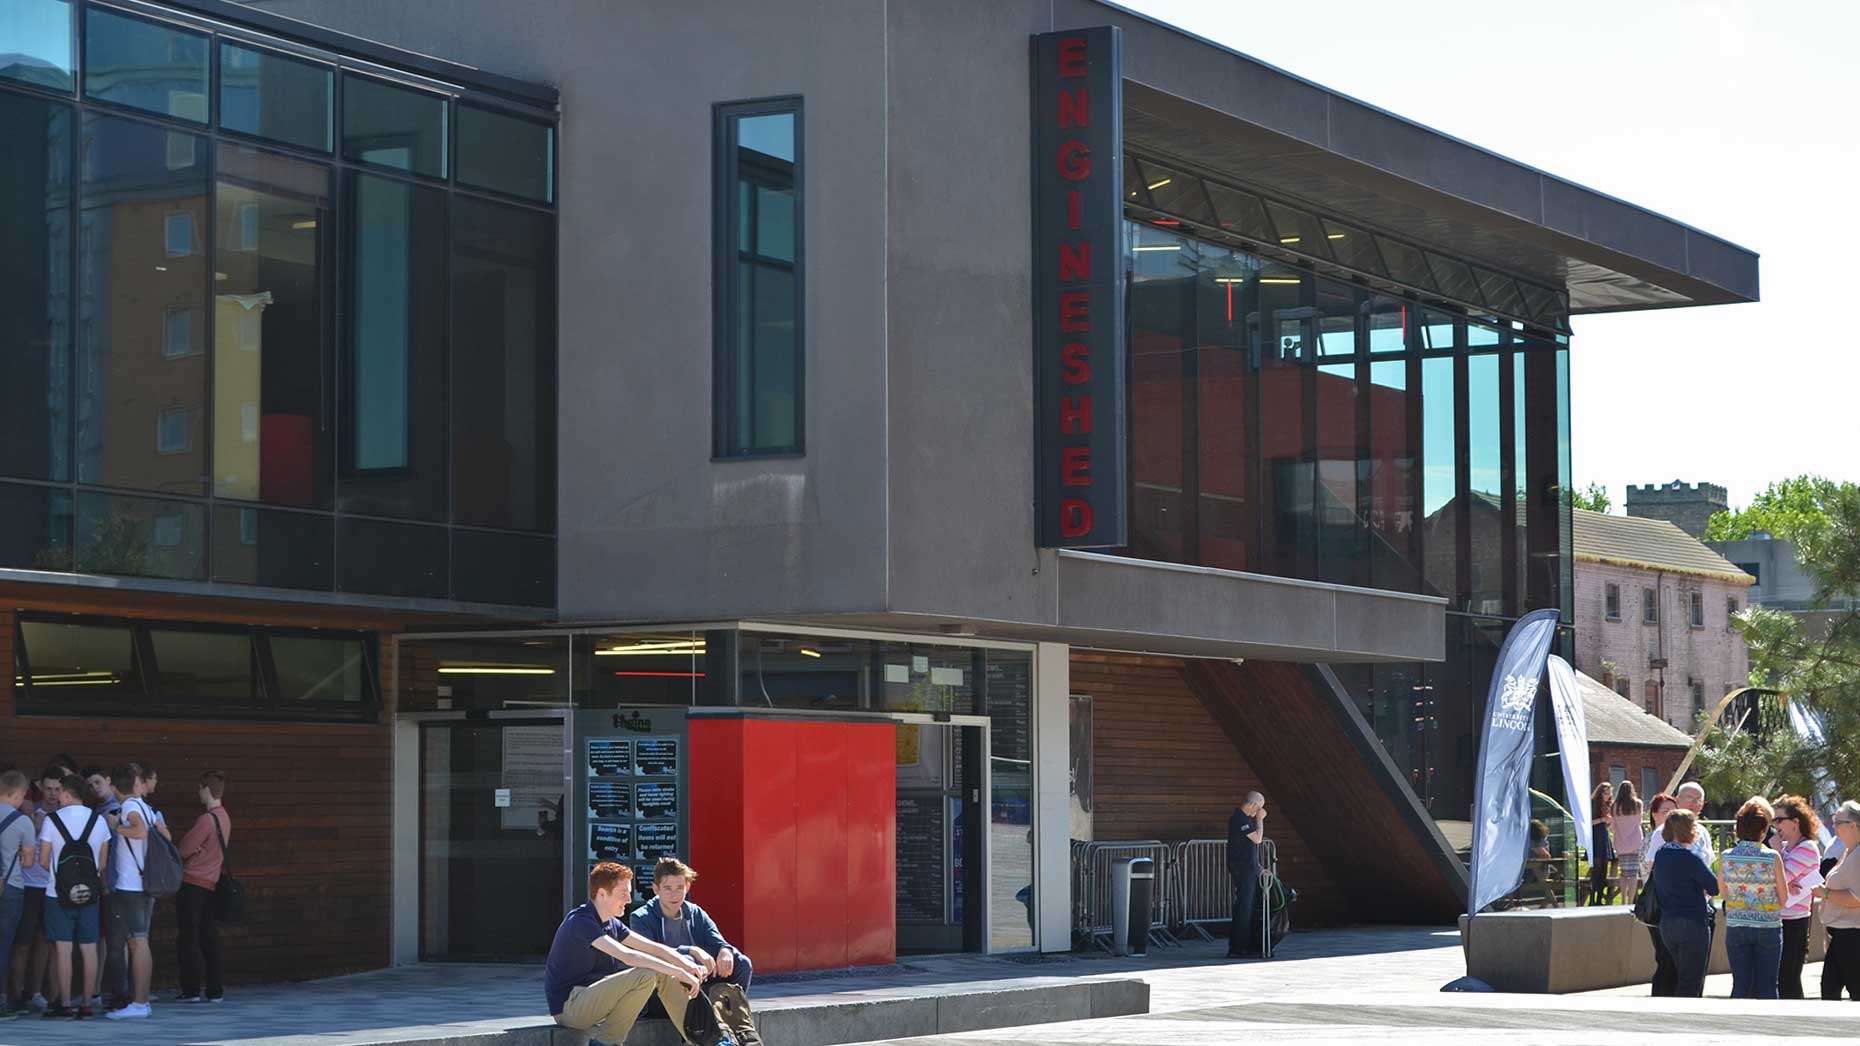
x,y
914,499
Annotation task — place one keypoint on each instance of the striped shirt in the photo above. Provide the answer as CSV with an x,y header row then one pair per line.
x,y
1799,860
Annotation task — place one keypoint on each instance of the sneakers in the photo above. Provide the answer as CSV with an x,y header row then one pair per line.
x,y
53,1013
83,1013
196,997
216,999
37,1003
129,1013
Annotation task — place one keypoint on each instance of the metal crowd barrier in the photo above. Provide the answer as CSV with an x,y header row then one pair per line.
x,y
1203,888
1091,887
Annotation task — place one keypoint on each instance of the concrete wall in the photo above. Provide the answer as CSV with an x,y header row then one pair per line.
x,y
1781,581
1715,655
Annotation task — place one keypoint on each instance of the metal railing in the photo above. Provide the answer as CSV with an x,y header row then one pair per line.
x,y
1091,887
1204,888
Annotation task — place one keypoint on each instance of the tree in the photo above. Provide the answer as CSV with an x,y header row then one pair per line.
x,y
1820,664
1735,766
1780,511
1594,498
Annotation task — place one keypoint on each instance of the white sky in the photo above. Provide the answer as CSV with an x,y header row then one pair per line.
x,y
1740,119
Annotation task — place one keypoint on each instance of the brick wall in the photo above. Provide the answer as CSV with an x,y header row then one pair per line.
x,y
1164,769
1664,762
309,802
1714,655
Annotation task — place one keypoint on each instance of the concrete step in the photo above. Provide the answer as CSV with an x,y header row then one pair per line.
x,y
823,1020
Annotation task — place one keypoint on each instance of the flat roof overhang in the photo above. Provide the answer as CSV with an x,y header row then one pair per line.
x,y
1109,602
1236,117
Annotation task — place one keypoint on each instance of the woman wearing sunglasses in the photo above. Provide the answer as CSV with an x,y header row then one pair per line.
x,y
1840,911
1797,829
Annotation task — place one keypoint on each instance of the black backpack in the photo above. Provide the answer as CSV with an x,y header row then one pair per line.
x,y
76,878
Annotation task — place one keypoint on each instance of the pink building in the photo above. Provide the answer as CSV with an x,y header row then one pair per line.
x,y
1653,615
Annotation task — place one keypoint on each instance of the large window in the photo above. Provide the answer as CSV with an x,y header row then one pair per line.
x,y
758,279
254,326
73,665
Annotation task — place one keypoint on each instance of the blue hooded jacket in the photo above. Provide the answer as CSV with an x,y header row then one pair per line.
x,y
649,920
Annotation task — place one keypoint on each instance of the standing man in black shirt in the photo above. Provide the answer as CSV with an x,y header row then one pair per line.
x,y
1245,829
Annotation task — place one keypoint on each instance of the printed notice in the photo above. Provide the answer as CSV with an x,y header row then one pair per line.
x,y
531,777
656,757
657,840
609,756
608,799
656,799
610,842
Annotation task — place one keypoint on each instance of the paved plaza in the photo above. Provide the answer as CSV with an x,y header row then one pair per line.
x,y
1324,986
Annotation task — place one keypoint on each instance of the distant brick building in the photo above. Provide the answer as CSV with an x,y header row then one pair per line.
x,y
1627,744
1686,507
1653,615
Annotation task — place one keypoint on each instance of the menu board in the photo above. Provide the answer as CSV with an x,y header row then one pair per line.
x,y
610,842
609,799
921,858
609,756
657,839
656,799
656,757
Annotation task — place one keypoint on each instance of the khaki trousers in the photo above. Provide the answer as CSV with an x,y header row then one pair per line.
x,y
607,1008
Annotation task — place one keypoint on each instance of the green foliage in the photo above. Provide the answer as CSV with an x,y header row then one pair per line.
x,y
1735,766
1820,664
1594,497
1782,511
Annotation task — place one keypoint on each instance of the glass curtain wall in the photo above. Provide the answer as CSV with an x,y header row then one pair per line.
x,y
255,328
1290,424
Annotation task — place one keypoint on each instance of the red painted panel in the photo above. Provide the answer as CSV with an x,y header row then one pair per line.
x,y
820,884
768,798
716,777
871,852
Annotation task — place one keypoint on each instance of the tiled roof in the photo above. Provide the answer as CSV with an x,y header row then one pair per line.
x,y
1614,720
1630,541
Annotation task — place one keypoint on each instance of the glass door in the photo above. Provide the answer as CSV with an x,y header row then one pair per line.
x,y
491,841
942,898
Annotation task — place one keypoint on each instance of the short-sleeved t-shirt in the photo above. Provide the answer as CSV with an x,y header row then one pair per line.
x,y
74,818
16,837
129,856
38,877
1242,852
573,961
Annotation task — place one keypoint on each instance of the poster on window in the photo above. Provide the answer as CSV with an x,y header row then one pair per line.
x,y
655,800
609,800
532,774
609,757
610,842
657,840
656,757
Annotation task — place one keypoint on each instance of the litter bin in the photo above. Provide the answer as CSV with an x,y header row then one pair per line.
x,y
1133,880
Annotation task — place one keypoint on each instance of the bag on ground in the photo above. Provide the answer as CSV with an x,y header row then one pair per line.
x,y
702,1028
732,1006
75,876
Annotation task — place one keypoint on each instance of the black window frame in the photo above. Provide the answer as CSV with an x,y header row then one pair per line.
x,y
1695,609
725,292
1649,607
267,704
1611,601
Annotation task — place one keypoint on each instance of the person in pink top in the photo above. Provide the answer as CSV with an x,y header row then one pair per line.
x,y
1629,837
1797,828
203,853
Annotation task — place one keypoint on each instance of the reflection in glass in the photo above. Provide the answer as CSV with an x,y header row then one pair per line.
x,y
390,559
1162,319
490,674
1299,230
1241,213
1565,494
639,668
393,126
1343,552
512,569
1286,330
393,427
35,527
1008,703
761,371
503,338
35,288
254,546
809,672
35,43
270,429
1225,531
271,95
1391,478
142,259
1486,503
317,669
71,661
211,666
1438,476
506,153
1175,192
147,65
140,537
1521,470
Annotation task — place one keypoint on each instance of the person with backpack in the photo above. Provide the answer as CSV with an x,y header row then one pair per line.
x,y
203,853
131,901
75,844
19,850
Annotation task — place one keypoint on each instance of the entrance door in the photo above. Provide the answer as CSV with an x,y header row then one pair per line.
x,y
942,899
491,838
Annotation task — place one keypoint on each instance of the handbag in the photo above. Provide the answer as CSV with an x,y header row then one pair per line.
x,y
228,896
1647,905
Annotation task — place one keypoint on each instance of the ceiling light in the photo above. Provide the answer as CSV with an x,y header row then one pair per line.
x,y
1230,279
663,646
1159,247
1288,239
1160,184
1281,280
810,651
485,670
1336,236
77,682
310,224
56,676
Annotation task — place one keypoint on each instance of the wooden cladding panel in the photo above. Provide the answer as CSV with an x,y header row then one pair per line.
x,y
310,802
1378,851
1164,769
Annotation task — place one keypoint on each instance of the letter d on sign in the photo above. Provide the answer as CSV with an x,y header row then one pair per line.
x,y
1075,518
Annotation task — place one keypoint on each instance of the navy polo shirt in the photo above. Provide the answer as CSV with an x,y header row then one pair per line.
x,y
573,961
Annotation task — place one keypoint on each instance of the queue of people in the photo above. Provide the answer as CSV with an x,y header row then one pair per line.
x,y
75,909
1767,884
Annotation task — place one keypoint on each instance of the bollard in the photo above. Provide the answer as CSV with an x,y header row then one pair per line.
x,y
1133,880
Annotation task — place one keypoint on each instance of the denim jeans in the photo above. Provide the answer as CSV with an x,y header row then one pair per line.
x,y
12,904
1756,958
1688,944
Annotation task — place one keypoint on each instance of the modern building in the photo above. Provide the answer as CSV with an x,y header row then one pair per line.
x,y
1687,507
1627,743
1653,615
504,440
